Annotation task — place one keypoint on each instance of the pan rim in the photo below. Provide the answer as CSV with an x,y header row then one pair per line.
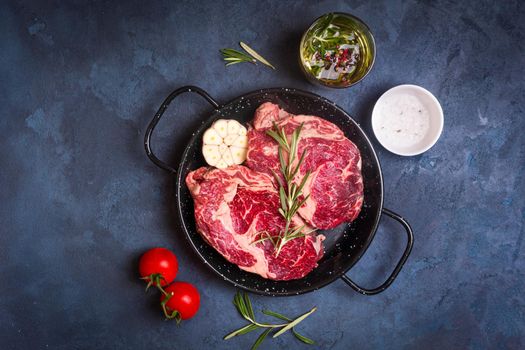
x,y
308,288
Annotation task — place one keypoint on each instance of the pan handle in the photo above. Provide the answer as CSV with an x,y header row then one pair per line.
x,y
404,257
160,112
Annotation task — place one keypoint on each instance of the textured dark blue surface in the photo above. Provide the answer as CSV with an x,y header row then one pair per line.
x,y
80,200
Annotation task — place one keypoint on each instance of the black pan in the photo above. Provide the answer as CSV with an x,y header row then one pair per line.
x,y
344,245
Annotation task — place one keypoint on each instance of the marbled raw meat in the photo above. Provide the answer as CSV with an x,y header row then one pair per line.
x,y
335,184
233,207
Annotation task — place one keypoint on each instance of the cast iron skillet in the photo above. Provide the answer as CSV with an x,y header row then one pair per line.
x,y
344,245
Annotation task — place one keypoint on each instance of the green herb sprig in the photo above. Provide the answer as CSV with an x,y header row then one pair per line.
x,y
289,191
232,56
244,306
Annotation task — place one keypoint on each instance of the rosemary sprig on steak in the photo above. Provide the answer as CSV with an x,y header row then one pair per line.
x,y
290,193
244,306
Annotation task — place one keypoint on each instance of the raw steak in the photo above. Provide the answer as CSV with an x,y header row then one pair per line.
x,y
233,207
335,184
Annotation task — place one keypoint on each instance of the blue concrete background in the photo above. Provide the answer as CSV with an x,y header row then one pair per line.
x,y
80,201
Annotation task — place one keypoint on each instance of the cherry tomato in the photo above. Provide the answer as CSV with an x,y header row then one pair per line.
x,y
185,299
159,261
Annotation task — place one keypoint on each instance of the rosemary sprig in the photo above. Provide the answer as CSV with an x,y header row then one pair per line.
x,y
282,317
232,56
255,55
324,24
244,306
289,191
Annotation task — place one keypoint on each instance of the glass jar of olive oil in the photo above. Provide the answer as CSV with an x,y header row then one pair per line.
x,y
337,50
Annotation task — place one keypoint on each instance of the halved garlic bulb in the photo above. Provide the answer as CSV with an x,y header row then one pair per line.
x,y
225,143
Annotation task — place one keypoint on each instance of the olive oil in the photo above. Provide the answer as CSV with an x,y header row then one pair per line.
x,y
337,50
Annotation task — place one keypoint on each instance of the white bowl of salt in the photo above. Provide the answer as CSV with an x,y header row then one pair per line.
x,y
407,120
